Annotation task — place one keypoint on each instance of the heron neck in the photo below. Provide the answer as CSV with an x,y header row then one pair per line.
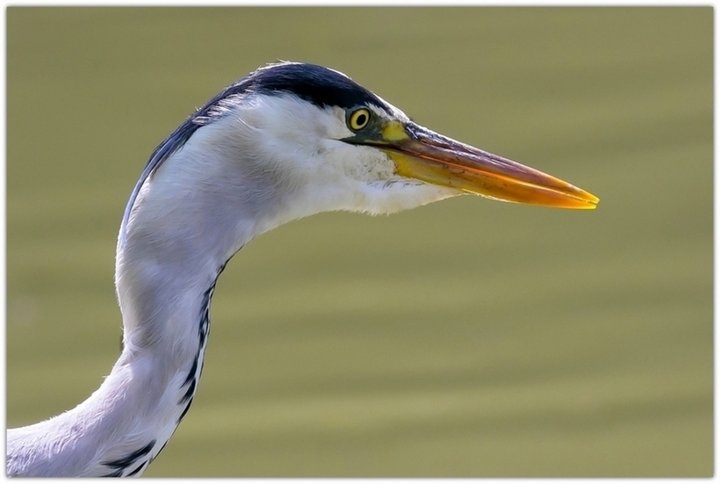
x,y
166,270
124,424
165,285
188,219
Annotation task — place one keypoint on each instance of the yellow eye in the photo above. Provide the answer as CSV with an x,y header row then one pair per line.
x,y
358,119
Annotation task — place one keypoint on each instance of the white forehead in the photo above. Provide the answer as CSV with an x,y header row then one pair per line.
x,y
389,109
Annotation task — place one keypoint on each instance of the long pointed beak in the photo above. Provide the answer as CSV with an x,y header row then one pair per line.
x,y
423,154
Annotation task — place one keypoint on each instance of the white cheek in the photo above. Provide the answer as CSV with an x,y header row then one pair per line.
x,y
403,194
358,163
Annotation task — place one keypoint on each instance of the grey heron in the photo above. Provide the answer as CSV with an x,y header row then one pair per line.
x,y
287,141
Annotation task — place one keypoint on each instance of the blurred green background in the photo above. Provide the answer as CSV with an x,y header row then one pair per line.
x,y
465,338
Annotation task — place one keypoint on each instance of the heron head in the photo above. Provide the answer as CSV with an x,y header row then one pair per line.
x,y
349,147
293,139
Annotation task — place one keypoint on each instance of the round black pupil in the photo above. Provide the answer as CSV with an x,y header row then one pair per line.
x,y
361,119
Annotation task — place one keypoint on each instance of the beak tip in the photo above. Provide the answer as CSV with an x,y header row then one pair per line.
x,y
591,200
581,200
